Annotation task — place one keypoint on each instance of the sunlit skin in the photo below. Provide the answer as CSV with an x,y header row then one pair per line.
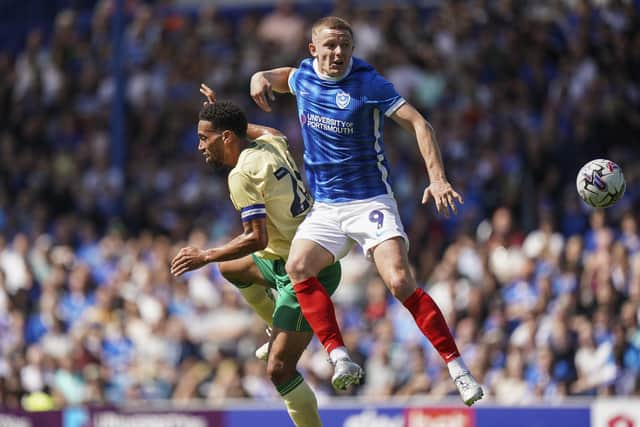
x,y
332,49
222,149
217,147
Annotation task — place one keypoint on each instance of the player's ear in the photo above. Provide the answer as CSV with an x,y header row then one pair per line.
x,y
312,50
226,136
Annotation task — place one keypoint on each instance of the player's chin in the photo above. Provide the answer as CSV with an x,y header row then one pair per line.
x,y
336,70
220,167
211,162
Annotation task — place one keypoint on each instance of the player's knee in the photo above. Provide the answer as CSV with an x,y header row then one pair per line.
x,y
226,271
279,371
232,275
401,285
297,269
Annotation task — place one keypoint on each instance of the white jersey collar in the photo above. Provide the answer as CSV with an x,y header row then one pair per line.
x,y
329,78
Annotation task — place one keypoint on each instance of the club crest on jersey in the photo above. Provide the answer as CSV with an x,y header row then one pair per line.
x,y
343,99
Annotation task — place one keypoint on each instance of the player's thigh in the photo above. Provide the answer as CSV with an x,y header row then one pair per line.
x,y
306,259
243,272
287,314
372,222
319,241
285,350
392,262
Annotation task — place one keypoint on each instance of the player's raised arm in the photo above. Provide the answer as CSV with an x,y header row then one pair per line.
x,y
439,187
264,83
254,131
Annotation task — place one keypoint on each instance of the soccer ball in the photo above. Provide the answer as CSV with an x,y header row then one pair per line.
x,y
600,183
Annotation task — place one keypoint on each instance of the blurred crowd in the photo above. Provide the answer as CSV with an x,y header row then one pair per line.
x,y
542,293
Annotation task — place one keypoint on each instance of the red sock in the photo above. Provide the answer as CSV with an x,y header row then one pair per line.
x,y
317,308
431,322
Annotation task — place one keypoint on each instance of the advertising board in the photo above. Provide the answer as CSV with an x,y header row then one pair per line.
x,y
615,413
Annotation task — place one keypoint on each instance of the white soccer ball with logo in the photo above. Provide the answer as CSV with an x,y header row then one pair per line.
x,y
600,183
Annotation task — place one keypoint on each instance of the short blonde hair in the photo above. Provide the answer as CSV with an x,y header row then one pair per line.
x,y
332,23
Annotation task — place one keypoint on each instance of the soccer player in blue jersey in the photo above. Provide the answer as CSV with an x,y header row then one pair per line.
x,y
342,102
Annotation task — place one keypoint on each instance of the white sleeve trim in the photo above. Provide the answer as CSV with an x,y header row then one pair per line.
x,y
291,73
399,103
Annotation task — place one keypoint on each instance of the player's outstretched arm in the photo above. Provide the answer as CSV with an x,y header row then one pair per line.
x,y
439,188
264,83
253,238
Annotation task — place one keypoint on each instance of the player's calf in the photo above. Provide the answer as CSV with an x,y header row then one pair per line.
x,y
286,349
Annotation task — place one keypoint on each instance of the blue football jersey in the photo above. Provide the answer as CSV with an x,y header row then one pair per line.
x,y
341,121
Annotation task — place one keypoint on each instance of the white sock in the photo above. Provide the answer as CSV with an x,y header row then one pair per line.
x,y
339,353
457,367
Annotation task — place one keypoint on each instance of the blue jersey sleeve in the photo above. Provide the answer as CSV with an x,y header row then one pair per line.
x,y
384,96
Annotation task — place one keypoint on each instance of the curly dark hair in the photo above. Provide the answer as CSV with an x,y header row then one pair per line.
x,y
224,115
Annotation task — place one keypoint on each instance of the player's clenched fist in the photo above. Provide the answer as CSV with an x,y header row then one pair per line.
x,y
188,259
261,91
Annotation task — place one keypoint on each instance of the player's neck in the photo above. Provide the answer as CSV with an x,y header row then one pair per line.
x,y
237,150
323,76
243,145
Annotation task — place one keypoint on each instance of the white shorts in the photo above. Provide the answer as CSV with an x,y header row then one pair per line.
x,y
335,226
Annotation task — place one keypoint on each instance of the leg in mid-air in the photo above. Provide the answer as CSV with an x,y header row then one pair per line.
x,y
305,266
392,263
245,275
285,349
290,336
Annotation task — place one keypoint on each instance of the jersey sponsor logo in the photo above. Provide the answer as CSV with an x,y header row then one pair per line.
x,y
343,99
316,121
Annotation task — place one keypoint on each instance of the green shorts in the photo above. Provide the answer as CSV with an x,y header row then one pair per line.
x,y
287,314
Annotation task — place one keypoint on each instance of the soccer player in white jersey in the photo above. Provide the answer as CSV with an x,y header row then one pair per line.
x,y
342,102
265,187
